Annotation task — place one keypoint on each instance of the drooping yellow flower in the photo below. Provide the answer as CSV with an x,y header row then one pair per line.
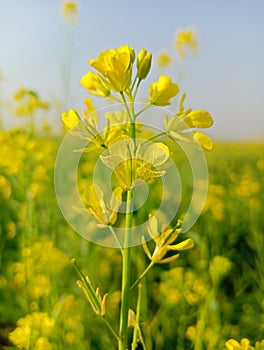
x,y
86,127
164,243
161,91
186,40
233,344
69,11
116,67
105,213
95,84
163,60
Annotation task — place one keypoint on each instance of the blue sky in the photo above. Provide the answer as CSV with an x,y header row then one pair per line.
x,y
226,78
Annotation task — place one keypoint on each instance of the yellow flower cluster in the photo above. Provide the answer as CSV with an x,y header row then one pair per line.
x,y
115,75
185,41
70,321
180,284
31,273
144,165
33,332
232,344
28,102
26,153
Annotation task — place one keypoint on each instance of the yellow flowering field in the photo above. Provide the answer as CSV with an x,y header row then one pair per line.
x,y
118,234
211,296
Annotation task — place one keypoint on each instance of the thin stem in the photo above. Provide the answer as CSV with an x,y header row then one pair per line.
x,y
126,106
142,275
116,237
136,90
123,330
112,97
154,136
110,328
143,110
136,327
133,83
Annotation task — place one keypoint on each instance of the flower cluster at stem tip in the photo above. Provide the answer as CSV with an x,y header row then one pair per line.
x,y
114,79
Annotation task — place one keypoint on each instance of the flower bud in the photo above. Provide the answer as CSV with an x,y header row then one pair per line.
x,y
143,63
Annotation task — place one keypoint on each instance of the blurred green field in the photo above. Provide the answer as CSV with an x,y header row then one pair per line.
x,y
214,292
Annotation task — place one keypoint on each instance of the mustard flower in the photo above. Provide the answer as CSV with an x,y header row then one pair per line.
x,y
164,243
116,67
43,343
28,102
233,344
161,91
186,40
131,164
95,84
103,212
32,331
86,127
163,60
183,120
69,11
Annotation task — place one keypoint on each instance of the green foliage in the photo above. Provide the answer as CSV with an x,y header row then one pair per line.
x,y
215,293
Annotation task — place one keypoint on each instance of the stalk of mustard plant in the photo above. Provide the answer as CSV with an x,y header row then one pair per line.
x,y
132,163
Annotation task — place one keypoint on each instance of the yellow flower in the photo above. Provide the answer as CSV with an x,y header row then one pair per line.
x,y
106,214
186,119
28,102
30,329
70,11
163,60
116,67
199,119
132,165
70,119
86,127
143,63
95,84
186,39
232,344
161,91
164,242
204,140
43,344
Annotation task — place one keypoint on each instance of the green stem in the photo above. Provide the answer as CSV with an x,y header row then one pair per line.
x,y
136,327
133,83
142,275
112,97
126,106
136,90
143,110
116,238
154,136
110,328
123,329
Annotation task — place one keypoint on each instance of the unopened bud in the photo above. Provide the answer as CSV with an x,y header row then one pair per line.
x,y
143,63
